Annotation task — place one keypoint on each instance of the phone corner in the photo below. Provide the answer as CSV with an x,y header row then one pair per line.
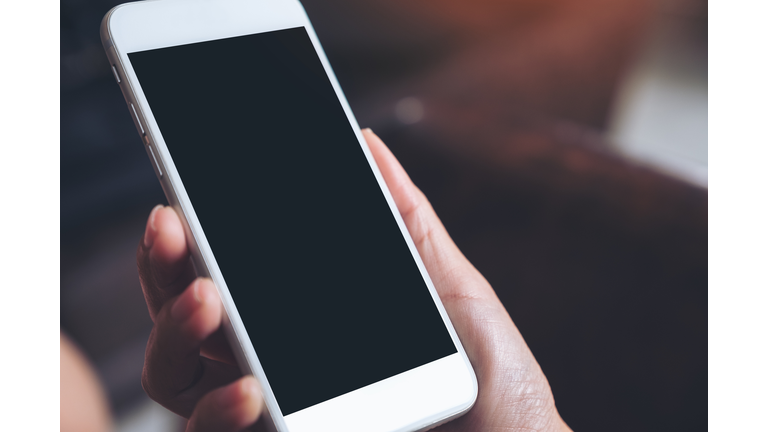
x,y
470,401
474,386
104,33
105,28
463,409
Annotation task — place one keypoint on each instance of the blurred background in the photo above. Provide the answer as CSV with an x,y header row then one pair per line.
x,y
563,143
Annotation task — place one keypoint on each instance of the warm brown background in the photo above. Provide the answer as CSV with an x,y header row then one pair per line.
x,y
602,264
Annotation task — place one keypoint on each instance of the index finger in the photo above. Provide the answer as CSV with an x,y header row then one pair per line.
x,y
165,268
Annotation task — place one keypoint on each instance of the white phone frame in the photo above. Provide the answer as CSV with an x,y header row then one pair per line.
x,y
418,399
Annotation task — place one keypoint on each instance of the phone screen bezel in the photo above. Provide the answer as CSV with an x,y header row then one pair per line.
x,y
434,392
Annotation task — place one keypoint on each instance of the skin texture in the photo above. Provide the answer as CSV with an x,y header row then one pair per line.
x,y
190,370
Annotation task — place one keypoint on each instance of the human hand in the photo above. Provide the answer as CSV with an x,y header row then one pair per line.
x,y
190,370
513,393
188,366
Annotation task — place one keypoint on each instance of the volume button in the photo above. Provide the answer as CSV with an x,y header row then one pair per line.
x,y
117,75
157,163
138,122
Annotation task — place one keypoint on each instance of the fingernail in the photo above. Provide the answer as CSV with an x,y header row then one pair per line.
x,y
367,130
151,232
237,393
187,303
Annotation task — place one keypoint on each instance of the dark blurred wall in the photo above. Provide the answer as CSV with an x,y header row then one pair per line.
x,y
497,110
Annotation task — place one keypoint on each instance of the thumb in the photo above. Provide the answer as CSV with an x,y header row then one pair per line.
x,y
453,275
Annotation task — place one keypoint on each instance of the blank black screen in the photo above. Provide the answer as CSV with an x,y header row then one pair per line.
x,y
325,284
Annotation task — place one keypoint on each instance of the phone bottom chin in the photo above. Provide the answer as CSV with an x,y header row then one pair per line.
x,y
414,400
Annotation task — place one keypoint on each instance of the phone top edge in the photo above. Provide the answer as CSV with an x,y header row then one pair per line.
x,y
166,23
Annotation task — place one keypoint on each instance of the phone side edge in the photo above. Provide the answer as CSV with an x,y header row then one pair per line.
x,y
201,264
401,223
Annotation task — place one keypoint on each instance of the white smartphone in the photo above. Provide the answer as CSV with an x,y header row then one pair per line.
x,y
328,304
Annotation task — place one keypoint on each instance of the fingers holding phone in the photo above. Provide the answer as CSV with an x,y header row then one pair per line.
x,y
187,319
